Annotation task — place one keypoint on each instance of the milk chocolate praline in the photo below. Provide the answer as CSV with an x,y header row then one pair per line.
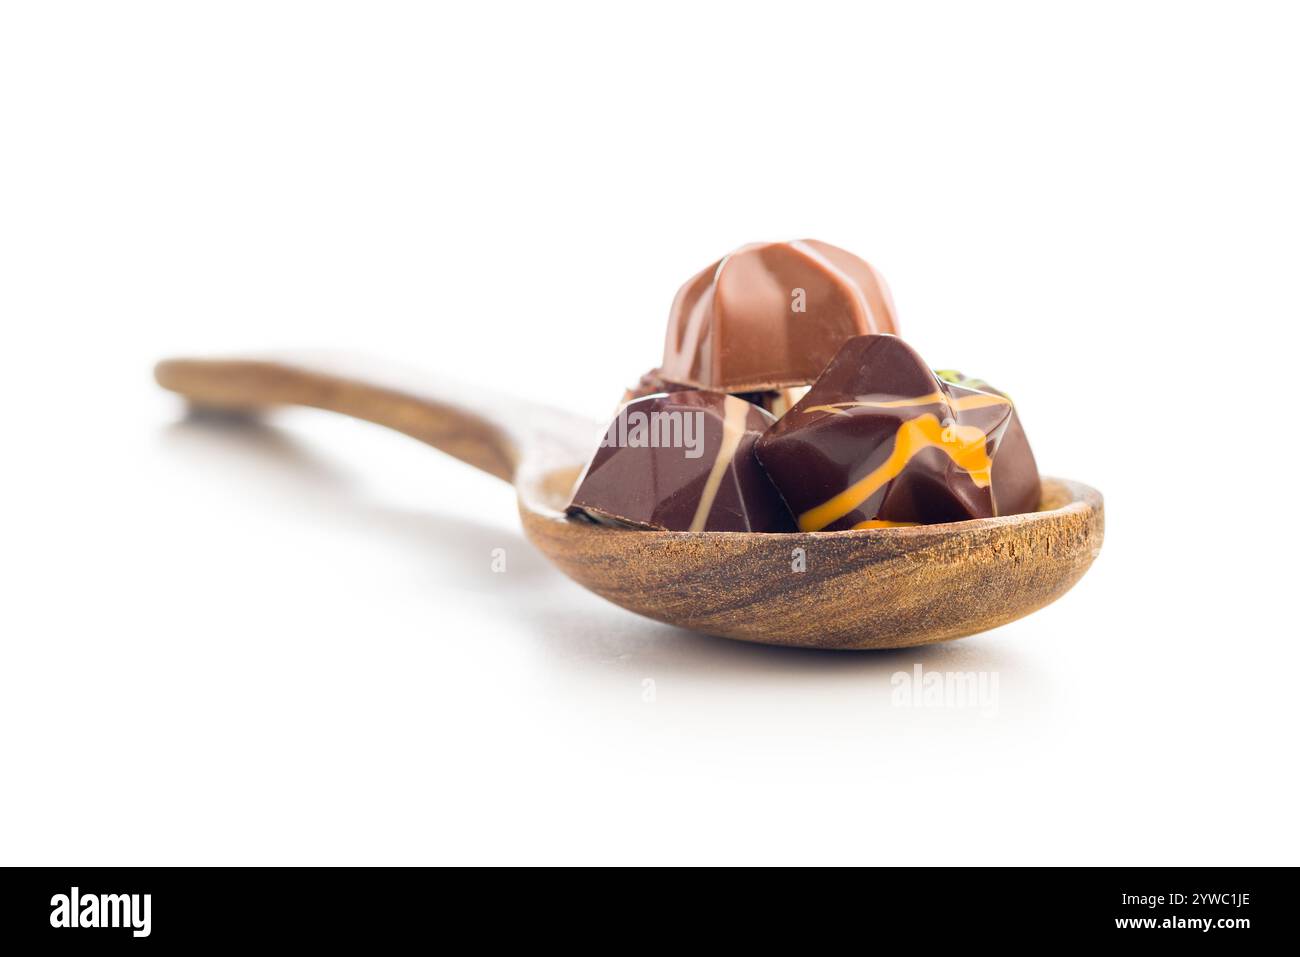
x,y
771,315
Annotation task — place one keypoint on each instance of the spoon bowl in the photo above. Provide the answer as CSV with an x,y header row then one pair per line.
x,y
865,589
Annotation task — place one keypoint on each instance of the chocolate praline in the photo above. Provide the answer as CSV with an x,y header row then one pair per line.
x,y
683,461
1016,485
771,315
880,440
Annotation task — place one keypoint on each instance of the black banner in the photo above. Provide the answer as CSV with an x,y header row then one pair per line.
x,y
159,907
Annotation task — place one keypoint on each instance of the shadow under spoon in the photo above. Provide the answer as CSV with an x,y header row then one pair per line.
x,y
874,588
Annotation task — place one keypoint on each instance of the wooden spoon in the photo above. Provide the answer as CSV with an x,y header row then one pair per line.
x,y
876,588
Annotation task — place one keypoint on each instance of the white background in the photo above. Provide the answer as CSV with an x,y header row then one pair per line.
x,y
284,644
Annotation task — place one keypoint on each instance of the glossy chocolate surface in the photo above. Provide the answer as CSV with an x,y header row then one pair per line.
x,y
771,315
881,440
1016,486
683,461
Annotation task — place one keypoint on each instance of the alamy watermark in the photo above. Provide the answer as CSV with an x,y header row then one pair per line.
x,y
663,429
945,689
77,909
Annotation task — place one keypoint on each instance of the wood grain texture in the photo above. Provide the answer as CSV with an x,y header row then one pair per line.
x,y
492,433
869,589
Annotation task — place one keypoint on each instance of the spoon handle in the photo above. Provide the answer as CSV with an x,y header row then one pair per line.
x,y
492,433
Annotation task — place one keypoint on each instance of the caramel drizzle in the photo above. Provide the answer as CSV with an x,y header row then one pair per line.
x,y
964,403
733,430
966,445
